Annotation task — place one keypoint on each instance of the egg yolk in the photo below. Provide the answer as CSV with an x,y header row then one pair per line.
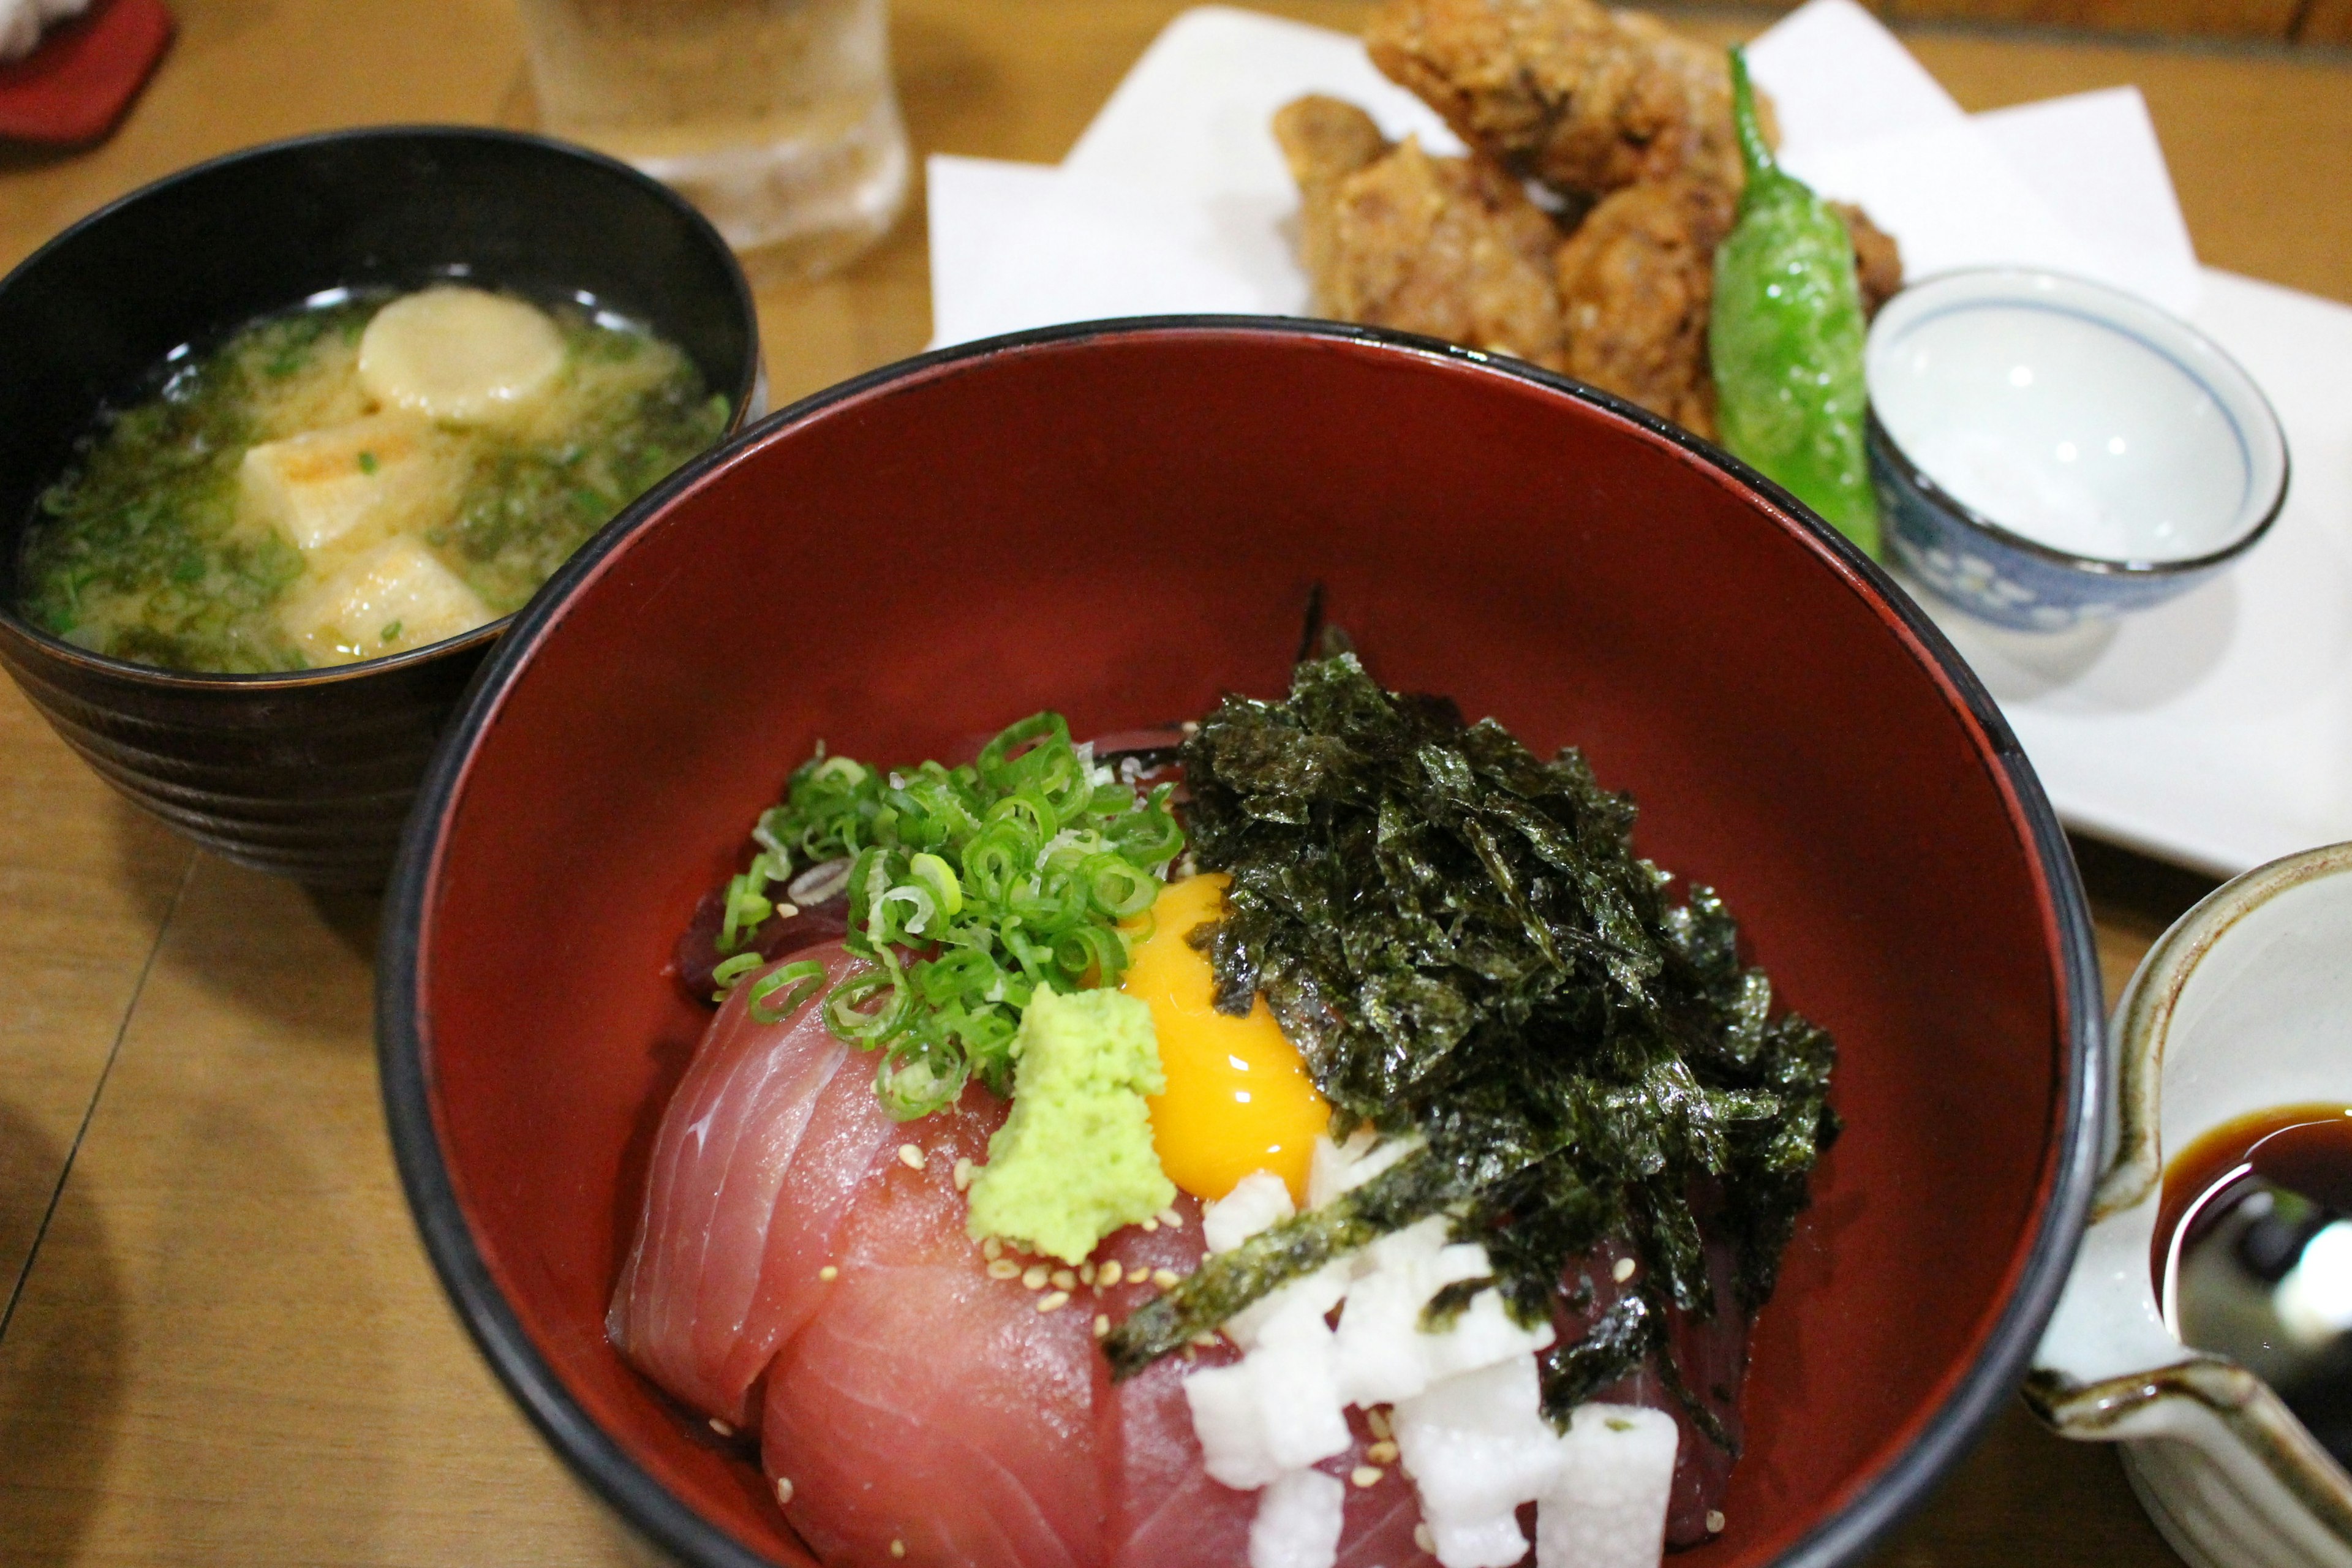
x,y
1238,1097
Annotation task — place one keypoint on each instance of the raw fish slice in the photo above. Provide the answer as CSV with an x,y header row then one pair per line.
x,y
1712,1353
1138,1252
1381,1518
1713,1356
721,1273
928,1405
779,936
1165,1511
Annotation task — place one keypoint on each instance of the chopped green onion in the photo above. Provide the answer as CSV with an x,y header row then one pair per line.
x,y
727,971
747,901
1116,886
969,888
804,980
852,1013
939,877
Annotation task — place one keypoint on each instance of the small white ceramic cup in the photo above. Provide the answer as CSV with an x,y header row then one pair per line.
x,y
2244,1005
2050,451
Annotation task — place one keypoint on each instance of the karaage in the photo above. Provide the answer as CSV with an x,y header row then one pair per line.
x,y
1392,237
1636,281
1584,98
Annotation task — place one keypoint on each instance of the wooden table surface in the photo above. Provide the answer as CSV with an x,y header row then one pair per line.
x,y
220,1342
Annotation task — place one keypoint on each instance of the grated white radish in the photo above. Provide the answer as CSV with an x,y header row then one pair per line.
x,y
1476,1446
1258,1202
1466,1419
1607,1506
1297,1523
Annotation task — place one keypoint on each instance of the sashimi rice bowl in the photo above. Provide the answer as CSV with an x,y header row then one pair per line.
x,y
1184,980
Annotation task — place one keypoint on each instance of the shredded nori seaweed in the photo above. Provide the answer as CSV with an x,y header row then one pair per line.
x,y
1459,939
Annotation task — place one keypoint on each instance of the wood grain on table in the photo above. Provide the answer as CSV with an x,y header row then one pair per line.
x,y
220,1342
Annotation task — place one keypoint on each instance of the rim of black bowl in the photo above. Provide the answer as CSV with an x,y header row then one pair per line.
x,y
1883,441
1877,1502
740,397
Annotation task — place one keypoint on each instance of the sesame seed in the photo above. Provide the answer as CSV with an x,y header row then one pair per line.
x,y
1377,1418
1035,1276
1189,727
1366,1475
787,911
962,1175
991,1249
1102,1326
1422,1539
828,1274
1004,1269
1109,1274
1382,1453
1086,1273
1166,1278
723,1429
1064,1279
1053,1301
783,1490
898,1549
910,1156
1170,1218
1206,1342
1714,1521
1151,1225
1623,1271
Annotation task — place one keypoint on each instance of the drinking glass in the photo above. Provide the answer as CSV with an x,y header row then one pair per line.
x,y
777,118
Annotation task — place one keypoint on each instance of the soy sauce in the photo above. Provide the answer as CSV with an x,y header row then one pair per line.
x,y
2253,1256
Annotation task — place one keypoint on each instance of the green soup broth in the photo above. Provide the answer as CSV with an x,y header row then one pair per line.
x,y
152,548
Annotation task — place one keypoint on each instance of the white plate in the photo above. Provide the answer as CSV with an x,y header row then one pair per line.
x,y
2215,732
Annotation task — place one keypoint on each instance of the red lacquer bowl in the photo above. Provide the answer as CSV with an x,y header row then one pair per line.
x,y
1122,522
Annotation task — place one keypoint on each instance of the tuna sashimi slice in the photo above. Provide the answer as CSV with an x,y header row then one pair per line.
x,y
1711,1352
1383,1515
1165,1511
724,1266
927,1404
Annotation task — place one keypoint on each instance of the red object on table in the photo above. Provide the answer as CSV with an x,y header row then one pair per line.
x,y
75,86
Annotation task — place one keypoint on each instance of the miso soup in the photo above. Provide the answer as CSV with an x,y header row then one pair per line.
x,y
356,478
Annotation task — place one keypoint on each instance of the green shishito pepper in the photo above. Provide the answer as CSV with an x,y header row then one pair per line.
x,y
1786,337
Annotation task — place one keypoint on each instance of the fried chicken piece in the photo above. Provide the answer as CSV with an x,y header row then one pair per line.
x,y
1636,282
1451,248
1584,98
1877,260
1324,140
1637,286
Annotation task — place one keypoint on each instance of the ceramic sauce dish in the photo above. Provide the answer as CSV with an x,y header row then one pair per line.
x,y
2049,451
2242,1007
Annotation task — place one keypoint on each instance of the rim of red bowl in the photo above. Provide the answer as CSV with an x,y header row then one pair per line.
x,y
1873,1504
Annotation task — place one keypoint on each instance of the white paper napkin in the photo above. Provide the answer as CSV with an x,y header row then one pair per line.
x,y
2216,730
2075,184
1191,120
2110,182
1026,244
1837,77
1177,197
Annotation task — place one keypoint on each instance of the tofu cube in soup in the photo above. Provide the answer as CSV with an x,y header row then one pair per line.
x,y
392,598
345,488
